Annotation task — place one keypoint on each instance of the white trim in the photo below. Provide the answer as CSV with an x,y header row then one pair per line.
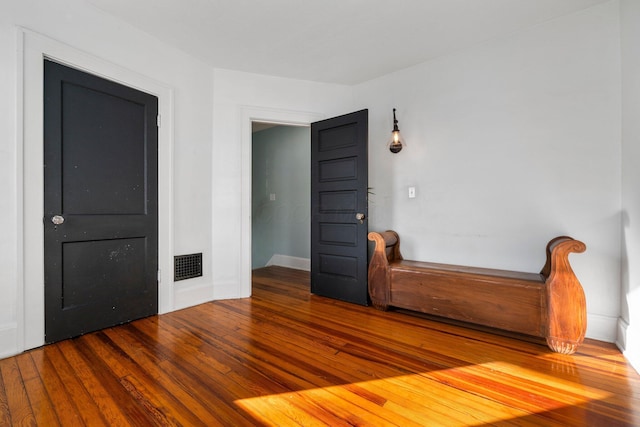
x,y
625,342
290,262
600,327
35,47
19,159
8,334
185,296
266,115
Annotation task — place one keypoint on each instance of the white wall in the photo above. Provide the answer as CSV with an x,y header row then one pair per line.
x,y
9,198
629,330
510,144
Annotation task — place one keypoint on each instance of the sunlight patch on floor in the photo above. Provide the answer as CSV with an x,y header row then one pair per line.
x,y
451,397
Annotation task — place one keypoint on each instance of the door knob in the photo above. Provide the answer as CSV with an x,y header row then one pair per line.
x,y
57,219
360,217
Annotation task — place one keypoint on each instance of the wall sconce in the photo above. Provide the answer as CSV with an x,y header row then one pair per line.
x,y
397,141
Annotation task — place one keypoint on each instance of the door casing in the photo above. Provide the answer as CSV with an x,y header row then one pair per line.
x,y
256,114
29,141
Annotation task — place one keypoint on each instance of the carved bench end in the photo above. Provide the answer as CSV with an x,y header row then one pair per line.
x,y
566,301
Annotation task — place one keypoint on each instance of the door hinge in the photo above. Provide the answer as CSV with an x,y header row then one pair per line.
x,y
158,120
159,276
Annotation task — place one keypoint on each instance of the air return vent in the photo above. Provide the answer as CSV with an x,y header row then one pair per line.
x,y
187,266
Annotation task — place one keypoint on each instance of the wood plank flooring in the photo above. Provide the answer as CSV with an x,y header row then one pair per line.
x,y
284,357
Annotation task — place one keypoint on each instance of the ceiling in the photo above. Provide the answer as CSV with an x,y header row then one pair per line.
x,y
336,41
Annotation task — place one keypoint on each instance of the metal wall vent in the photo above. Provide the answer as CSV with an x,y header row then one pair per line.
x,y
187,266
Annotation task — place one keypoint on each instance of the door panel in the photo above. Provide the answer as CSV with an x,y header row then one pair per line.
x,y
80,261
339,173
115,184
100,153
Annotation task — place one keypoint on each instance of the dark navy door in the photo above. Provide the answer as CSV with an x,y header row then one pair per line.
x,y
339,176
101,203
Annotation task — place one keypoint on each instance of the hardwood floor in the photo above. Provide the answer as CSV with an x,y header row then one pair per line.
x,y
284,357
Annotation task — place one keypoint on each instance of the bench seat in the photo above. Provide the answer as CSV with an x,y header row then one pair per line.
x,y
549,304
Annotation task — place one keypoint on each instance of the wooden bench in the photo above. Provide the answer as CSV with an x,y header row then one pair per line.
x,y
550,304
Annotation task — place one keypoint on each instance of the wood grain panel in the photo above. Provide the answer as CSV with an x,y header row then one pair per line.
x,y
433,291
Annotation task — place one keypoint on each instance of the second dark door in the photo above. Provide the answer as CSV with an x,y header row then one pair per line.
x,y
339,176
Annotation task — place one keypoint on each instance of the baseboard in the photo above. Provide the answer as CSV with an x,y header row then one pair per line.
x,y
601,328
228,289
628,342
8,340
290,262
190,294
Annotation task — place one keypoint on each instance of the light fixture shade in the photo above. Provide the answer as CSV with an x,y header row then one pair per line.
x,y
396,142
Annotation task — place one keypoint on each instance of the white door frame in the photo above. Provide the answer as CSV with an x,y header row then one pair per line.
x,y
257,114
34,48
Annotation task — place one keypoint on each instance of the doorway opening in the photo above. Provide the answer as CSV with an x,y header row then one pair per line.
x,y
280,195
250,115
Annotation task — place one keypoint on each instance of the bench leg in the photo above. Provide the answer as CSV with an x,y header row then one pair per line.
x,y
379,305
379,287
